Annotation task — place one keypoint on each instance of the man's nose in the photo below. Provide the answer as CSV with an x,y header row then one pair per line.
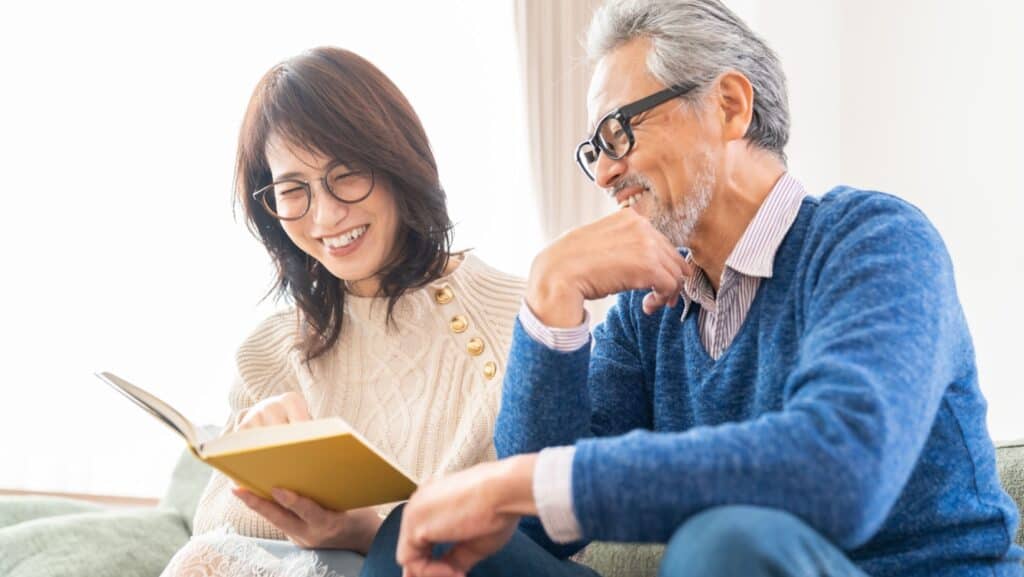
x,y
607,170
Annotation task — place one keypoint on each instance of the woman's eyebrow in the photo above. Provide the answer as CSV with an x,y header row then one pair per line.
x,y
289,176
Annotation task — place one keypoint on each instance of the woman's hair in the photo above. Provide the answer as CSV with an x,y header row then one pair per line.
x,y
334,103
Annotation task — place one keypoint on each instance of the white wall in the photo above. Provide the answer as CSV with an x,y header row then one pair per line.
x,y
920,98
931,111
805,34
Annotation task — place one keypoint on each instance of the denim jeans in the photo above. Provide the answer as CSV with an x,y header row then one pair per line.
x,y
340,561
520,557
723,541
752,541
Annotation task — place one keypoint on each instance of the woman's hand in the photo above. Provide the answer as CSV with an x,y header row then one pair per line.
x,y
277,410
309,525
302,520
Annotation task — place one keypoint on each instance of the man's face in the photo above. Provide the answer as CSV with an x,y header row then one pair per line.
x,y
671,168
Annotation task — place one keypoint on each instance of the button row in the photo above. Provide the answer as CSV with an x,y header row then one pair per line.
x,y
460,324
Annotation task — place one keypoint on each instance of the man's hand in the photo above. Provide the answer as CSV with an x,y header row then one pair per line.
x,y
309,525
477,510
619,252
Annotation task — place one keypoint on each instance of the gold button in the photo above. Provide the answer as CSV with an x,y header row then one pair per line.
x,y
475,346
490,369
459,324
444,296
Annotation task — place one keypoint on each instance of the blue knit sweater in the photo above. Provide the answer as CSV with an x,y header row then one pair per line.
x,y
849,398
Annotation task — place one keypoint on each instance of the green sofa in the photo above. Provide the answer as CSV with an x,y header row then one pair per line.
x,y
52,537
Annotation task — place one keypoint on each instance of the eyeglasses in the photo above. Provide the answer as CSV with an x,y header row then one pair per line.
x,y
614,134
290,198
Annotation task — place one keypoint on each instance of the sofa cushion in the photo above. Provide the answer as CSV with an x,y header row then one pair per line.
x,y
188,480
108,543
56,537
1010,460
20,508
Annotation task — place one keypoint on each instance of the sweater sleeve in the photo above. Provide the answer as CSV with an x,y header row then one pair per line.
x,y
263,371
546,401
549,400
881,328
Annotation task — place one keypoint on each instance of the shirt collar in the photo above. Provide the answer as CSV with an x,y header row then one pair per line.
x,y
754,254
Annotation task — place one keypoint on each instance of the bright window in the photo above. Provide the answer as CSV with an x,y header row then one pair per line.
x,y
119,246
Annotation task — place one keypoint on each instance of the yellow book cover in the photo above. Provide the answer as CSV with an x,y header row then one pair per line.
x,y
323,459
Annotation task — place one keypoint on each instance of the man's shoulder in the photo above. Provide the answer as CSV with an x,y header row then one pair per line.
x,y
846,203
851,216
854,228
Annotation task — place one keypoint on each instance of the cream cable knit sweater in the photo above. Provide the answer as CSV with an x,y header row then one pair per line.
x,y
425,391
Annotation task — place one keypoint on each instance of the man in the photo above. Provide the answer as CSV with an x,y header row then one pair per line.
x,y
794,394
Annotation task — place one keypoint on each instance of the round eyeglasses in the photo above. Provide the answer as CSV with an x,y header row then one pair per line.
x,y
290,198
614,133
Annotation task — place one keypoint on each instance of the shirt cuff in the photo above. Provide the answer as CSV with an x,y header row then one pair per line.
x,y
552,491
561,340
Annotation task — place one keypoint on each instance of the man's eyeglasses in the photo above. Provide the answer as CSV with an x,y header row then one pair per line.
x,y
614,134
290,198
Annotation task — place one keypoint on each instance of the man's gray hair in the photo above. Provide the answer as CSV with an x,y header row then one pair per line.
x,y
696,41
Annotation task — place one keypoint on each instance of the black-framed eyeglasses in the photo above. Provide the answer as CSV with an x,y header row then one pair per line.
x,y
614,134
290,198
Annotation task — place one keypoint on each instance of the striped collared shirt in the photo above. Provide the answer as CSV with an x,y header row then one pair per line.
x,y
722,315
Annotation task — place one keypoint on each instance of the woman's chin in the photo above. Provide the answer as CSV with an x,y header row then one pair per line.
x,y
356,278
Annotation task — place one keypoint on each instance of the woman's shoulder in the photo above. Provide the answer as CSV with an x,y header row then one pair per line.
x,y
276,335
479,277
482,291
266,358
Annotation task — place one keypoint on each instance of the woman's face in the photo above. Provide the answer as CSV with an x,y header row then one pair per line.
x,y
352,241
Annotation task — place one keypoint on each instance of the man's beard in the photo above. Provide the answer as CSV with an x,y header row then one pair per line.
x,y
678,221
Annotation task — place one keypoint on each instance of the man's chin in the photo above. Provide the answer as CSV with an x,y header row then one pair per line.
x,y
675,228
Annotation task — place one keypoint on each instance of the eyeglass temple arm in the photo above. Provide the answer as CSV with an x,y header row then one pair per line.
x,y
657,98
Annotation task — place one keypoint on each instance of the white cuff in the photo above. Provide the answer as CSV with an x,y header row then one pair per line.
x,y
552,491
561,340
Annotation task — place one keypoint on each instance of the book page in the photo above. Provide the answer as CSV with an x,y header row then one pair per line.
x,y
154,406
274,435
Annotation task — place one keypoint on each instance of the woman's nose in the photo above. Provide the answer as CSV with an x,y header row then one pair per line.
x,y
326,209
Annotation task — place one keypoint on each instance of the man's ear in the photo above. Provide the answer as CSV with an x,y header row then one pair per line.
x,y
735,99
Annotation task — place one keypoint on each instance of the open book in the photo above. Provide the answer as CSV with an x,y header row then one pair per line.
x,y
324,459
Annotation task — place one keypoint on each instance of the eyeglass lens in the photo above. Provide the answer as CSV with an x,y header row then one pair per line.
x,y
290,199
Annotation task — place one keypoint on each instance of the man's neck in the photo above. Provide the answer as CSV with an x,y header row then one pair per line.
x,y
737,197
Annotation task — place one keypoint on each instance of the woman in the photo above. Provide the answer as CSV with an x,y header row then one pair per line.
x,y
390,330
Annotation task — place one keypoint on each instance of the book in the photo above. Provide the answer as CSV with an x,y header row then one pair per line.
x,y
323,459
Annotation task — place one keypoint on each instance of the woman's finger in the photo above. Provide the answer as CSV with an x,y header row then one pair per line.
x,y
280,517
252,419
295,409
302,507
275,414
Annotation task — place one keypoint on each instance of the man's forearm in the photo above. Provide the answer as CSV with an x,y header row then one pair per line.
x,y
545,401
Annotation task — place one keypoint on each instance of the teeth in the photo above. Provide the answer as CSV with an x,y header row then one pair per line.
x,y
633,199
345,239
